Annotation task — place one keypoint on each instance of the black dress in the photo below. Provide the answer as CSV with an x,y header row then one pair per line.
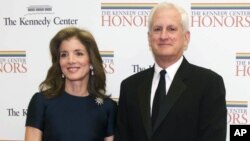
x,y
72,118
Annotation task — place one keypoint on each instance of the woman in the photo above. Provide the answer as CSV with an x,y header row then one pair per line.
x,y
71,104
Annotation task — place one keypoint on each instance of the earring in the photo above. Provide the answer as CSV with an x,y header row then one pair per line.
x,y
63,76
91,69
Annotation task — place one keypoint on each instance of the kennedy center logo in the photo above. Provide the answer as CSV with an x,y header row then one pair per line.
x,y
237,112
125,14
39,9
108,62
39,15
243,64
220,15
13,62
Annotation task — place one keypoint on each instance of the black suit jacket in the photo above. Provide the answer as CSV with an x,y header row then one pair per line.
x,y
193,110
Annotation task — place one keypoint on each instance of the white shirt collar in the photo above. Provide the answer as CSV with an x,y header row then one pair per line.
x,y
171,70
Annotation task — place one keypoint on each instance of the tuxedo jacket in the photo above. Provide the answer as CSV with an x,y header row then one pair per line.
x,y
194,108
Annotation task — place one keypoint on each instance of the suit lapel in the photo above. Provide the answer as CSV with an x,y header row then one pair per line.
x,y
144,92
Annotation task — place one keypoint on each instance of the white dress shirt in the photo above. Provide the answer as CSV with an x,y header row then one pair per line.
x,y
171,71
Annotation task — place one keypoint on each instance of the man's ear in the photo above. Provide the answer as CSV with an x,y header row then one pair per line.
x,y
187,39
149,40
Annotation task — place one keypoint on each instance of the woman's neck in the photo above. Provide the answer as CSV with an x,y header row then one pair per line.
x,y
76,88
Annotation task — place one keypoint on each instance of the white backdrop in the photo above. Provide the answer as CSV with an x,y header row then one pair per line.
x,y
219,40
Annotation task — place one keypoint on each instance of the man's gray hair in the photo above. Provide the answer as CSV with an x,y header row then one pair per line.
x,y
167,5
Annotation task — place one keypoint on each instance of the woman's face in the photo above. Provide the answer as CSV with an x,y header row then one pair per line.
x,y
74,60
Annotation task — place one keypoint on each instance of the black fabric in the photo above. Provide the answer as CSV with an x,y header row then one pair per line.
x,y
159,93
72,118
194,108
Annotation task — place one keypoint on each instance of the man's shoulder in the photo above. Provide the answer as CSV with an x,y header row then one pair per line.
x,y
202,71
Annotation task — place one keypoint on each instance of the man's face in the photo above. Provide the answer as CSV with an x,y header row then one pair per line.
x,y
166,37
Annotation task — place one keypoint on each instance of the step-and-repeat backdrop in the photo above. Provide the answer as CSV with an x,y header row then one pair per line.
x,y
220,31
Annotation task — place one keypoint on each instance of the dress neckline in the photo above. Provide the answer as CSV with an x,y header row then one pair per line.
x,y
74,96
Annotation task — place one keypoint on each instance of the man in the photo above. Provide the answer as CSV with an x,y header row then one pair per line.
x,y
192,107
